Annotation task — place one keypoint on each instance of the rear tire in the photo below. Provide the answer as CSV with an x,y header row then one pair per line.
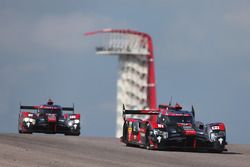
x,y
125,133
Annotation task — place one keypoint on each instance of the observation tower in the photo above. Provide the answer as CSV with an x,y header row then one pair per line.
x,y
136,87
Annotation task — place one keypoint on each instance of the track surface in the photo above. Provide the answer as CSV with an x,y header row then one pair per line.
x,y
64,151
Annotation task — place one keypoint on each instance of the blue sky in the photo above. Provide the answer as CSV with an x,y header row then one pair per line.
x,y
201,48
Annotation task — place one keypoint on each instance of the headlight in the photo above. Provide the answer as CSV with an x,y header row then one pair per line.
x,y
41,119
33,121
156,131
70,123
77,121
213,136
26,119
165,135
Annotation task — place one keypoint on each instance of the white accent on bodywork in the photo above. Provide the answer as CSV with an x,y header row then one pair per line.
x,y
77,121
26,119
159,139
220,140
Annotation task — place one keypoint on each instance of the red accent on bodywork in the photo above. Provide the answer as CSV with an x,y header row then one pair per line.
x,y
51,118
222,126
189,132
25,114
78,116
50,107
195,143
184,124
154,124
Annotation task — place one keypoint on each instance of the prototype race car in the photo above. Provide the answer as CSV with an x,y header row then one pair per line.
x,y
171,127
49,118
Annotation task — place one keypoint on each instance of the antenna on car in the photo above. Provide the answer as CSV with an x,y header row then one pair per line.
x,y
20,106
123,111
193,112
170,102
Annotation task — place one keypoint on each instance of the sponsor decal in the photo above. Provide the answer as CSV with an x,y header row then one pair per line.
x,y
160,126
129,130
215,127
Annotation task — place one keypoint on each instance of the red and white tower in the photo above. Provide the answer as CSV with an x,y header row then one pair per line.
x,y
136,80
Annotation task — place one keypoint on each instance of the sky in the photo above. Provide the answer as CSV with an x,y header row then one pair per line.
x,y
202,58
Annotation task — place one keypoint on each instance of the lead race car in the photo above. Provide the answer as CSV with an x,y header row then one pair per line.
x,y
49,118
171,127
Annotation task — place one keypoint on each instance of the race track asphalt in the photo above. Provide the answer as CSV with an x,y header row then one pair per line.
x,y
38,150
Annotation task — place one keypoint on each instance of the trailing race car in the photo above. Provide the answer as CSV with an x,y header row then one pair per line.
x,y
49,118
171,127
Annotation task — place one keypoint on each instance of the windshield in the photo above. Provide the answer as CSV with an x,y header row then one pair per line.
x,y
177,119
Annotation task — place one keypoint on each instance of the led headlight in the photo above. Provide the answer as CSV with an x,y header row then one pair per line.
x,y
77,121
156,131
70,123
165,135
26,119
41,119
213,136
33,121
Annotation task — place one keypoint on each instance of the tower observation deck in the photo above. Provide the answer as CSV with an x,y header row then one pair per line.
x,y
136,76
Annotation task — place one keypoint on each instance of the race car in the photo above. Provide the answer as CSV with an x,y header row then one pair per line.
x,y
169,127
49,118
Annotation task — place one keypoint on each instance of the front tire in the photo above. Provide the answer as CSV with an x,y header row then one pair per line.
x,y
147,142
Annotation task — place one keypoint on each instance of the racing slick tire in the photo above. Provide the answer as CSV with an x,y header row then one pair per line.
x,y
217,150
20,131
125,133
72,134
147,142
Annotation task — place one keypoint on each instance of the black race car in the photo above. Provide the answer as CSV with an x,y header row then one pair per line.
x,y
171,127
49,118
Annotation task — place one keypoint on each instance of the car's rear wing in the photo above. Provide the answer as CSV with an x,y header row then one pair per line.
x,y
69,109
37,107
29,107
140,112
